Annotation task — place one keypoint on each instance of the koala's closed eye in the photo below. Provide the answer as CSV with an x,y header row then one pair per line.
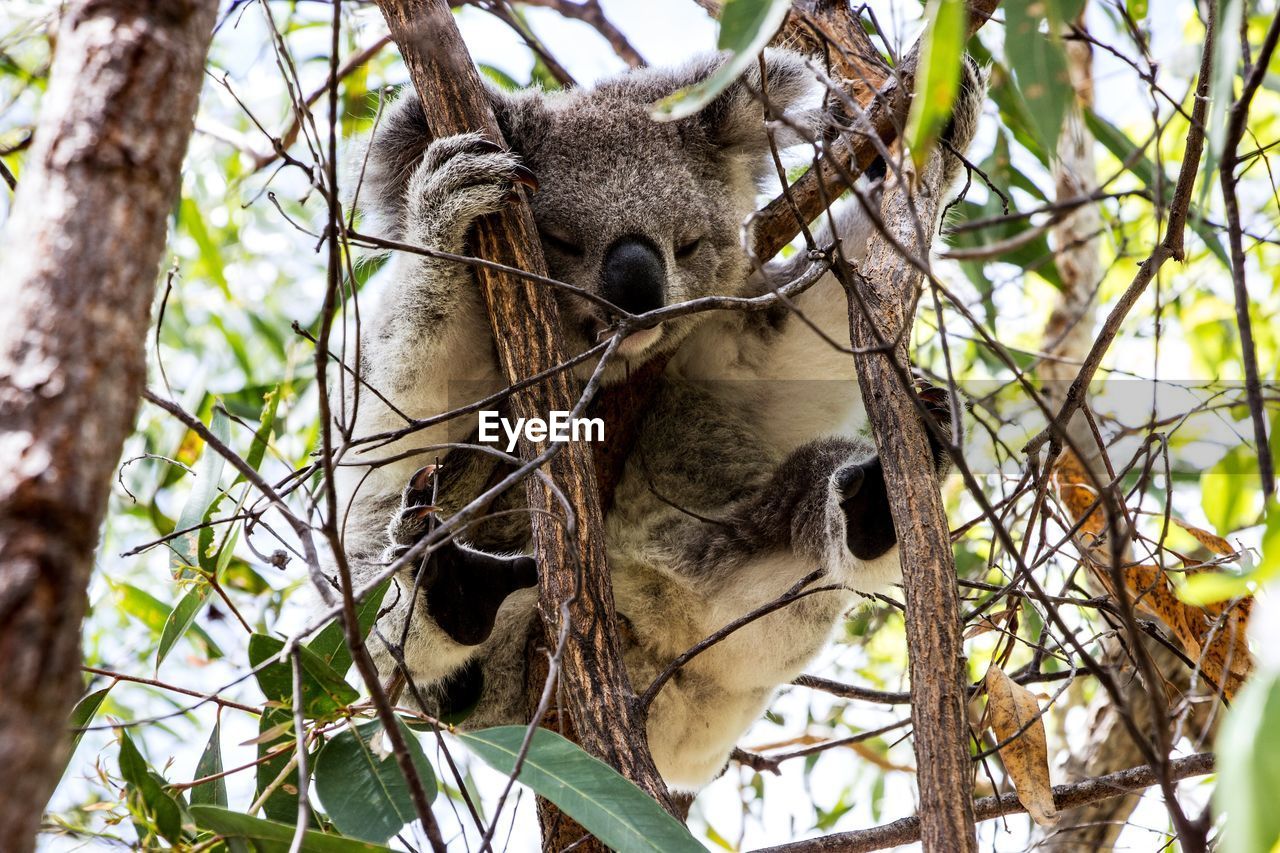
x,y
564,245
687,248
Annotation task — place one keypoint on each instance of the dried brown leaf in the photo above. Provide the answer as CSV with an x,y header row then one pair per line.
x,y
989,622
1215,543
1013,712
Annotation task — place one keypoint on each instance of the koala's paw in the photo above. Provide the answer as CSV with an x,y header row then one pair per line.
x,y
463,587
868,524
861,489
459,179
937,402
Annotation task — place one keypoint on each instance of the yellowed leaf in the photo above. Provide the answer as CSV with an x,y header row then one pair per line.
x,y
1013,712
1215,543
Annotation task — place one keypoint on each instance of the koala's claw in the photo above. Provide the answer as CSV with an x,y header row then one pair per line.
x,y
524,176
459,179
463,587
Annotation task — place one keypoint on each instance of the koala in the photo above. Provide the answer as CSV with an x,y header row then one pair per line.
x,y
750,469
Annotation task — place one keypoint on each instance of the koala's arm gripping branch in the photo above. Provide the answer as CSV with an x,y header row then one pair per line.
x,y
819,27
526,325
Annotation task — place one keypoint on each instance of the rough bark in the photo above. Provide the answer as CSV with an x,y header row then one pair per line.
x,y
881,306
83,247
526,325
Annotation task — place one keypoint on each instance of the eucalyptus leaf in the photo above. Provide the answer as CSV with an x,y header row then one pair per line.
x,y
938,77
330,643
212,793
746,26
272,835
324,691
149,791
1248,749
82,715
360,784
1226,57
180,619
1040,63
586,789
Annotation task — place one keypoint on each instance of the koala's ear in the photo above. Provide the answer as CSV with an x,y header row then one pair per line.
x,y
734,120
402,137
383,167
522,117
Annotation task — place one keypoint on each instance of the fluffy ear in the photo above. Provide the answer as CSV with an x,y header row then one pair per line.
x,y
381,169
734,120
400,140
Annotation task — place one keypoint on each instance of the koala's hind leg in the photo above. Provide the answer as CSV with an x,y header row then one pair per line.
x,y
462,588
465,623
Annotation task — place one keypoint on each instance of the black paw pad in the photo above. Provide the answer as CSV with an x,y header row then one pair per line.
x,y
869,529
465,588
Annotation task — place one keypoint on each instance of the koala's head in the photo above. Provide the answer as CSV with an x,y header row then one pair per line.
x,y
646,213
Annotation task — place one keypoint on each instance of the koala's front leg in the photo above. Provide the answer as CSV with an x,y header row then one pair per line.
x,y
431,316
462,588
459,179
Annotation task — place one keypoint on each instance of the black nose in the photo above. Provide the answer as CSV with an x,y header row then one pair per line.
x,y
634,274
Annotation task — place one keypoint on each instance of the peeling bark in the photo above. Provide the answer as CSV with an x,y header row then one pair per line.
x,y
83,246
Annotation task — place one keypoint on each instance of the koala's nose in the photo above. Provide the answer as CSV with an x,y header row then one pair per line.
x,y
634,275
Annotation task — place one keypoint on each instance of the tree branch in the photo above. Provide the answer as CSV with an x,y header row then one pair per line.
x,y
1065,797
526,325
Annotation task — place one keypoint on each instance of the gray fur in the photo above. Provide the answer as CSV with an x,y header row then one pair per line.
x,y
734,491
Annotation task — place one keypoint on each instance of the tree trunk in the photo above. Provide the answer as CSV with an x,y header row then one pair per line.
x,y
880,306
83,247
526,324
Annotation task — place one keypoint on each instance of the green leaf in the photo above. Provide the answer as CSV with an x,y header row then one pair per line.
x,y
180,619
1038,60
204,491
188,550
938,78
211,793
210,254
331,642
267,422
362,789
324,691
1248,750
82,714
148,788
1226,56
1230,491
154,613
500,78
586,789
231,824
746,26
